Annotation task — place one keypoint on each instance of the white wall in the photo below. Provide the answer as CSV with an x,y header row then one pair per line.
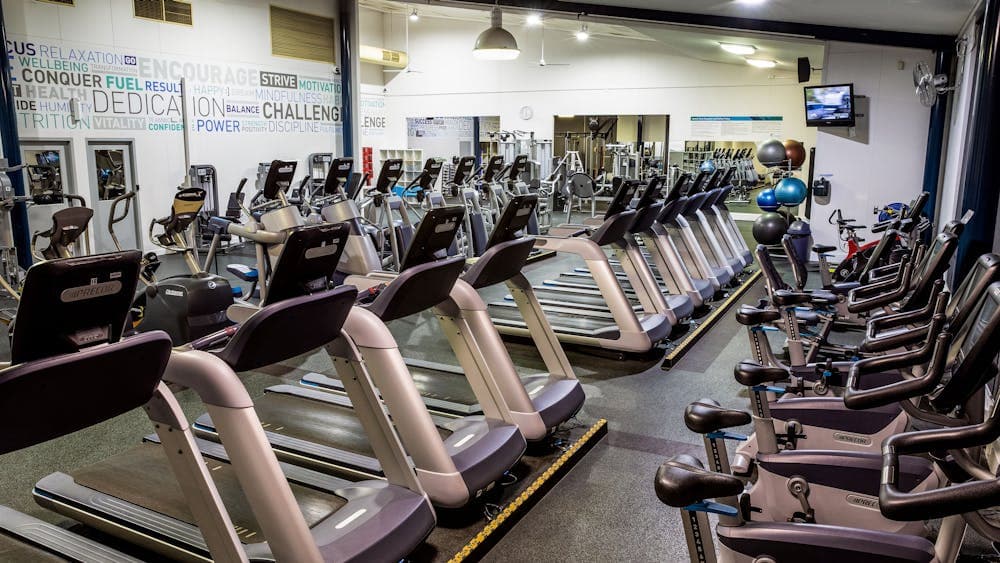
x,y
608,75
890,166
230,34
961,105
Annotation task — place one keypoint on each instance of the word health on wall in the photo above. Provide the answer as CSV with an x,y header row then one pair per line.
x,y
63,87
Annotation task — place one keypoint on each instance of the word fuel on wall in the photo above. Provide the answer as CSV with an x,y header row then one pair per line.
x,y
121,91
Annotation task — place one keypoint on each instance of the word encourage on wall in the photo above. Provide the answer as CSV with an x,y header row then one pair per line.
x,y
62,87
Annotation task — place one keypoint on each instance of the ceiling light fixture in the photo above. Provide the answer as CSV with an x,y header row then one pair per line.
x,y
583,34
414,16
737,49
496,43
762,63
751,2
533,19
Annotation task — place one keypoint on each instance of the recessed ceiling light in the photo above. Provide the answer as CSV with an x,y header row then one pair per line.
x,y
751,2
583,34
533,19
762,63
737,49
413,15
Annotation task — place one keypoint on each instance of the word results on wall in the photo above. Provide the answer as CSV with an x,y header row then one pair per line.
x,y
62,87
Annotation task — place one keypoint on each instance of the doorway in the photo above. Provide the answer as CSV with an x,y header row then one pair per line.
x,y
112,174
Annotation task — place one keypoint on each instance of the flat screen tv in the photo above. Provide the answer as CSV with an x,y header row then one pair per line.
x,y
830,106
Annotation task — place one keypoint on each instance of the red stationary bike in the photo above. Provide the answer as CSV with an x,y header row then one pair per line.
x,y
858,251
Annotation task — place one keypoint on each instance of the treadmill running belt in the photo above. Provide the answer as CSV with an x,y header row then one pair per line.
x,y
16,551
505,314
443,386
313,422
142,476
316,422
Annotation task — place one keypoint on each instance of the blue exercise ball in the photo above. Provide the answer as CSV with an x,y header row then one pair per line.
x,y
769,228
766,201
707,166
790,192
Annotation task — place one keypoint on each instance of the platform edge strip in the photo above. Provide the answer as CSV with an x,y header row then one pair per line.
x,y
517,508
674,355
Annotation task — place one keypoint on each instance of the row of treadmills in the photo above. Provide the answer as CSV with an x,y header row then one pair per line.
x,y
355,467
670,254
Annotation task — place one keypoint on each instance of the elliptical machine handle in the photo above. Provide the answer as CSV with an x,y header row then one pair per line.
x,y
113,217
955,499
77,198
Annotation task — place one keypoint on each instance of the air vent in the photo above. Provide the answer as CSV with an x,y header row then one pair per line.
x,y
383,57
60,2
302,36
169,11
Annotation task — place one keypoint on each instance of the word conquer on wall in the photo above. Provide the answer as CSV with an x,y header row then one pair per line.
x,y
62,87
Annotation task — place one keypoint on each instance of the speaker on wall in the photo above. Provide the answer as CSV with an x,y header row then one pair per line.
x,y
804,69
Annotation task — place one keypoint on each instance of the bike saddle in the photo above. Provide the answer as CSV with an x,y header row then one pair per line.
x,y
682,481
751,373
749,315
707,415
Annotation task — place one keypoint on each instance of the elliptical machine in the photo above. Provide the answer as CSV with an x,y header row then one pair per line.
x,y
186,307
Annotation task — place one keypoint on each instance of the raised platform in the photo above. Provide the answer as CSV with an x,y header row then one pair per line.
x,y
456,541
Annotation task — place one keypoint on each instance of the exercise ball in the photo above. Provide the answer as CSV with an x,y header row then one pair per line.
x,y
795,152
766,201
790,192
707,166
772,153
769,228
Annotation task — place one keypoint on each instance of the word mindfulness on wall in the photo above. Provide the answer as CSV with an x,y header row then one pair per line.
x,y
67,87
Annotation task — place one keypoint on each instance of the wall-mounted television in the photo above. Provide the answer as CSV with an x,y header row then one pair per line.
x,y
830,106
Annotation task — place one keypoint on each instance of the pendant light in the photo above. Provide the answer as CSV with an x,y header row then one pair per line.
x,y
496,43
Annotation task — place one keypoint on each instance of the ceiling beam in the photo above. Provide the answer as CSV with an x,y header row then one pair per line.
x,y
821,32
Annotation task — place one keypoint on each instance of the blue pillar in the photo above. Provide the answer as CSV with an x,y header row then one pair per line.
x,y
346,80
12,151
477,149
982,176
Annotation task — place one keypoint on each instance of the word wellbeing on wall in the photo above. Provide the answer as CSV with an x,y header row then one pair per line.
x,y
59,86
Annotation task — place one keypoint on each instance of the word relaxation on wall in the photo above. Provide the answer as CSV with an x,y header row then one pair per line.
x,y
63,87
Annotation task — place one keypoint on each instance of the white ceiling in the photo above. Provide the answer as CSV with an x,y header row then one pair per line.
x,y
697,44
917,16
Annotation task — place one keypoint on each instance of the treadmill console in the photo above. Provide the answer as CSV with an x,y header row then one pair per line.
x,y
434,236
307,261
74,303
513,220
652,193
623,197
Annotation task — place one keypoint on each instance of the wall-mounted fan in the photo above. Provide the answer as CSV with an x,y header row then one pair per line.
x,y
929,85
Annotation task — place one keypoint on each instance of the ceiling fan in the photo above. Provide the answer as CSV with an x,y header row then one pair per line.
x,y
541,60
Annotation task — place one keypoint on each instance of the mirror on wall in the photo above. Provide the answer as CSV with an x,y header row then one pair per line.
x,y
605,146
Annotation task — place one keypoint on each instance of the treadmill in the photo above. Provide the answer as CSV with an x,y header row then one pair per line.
x,y
456,459
538,403
667,298
605,318
276,511
699,259
702,230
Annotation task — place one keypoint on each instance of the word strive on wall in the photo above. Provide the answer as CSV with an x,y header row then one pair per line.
x,y
59,86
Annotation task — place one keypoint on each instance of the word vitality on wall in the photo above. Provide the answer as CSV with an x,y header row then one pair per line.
x,y
63,87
